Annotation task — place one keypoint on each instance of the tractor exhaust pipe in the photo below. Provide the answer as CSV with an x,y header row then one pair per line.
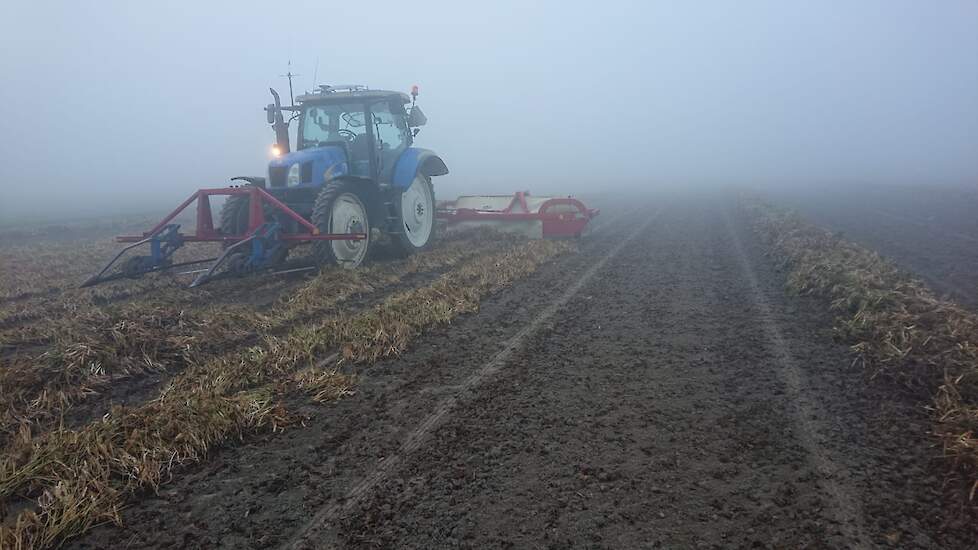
x,y
281,127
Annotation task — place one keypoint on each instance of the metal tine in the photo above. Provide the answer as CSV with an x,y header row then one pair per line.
x,y
201,279
97,278
294,270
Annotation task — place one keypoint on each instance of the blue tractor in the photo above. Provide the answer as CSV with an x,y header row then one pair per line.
x,y
354,178
354,169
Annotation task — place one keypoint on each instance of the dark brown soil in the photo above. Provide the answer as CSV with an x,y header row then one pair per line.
x,y
930,231
677,398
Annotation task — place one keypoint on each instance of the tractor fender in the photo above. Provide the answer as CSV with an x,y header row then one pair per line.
x,y
251,180
414,161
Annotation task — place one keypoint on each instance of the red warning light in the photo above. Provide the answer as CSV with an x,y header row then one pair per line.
x,y
414,90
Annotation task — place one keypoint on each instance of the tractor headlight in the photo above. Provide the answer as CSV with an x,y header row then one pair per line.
x,y
293,178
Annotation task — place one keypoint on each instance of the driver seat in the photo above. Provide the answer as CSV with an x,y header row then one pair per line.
x,y
360,147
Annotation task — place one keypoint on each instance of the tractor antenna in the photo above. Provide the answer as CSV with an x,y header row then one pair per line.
x,y
290,75
315,73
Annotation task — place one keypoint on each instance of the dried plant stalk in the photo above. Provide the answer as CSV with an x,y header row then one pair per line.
x,y
896,327
79,478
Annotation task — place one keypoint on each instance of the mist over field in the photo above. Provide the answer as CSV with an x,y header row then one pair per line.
x,y
755,326
129,106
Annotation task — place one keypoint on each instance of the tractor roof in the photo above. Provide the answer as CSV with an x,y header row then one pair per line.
x,y
329,94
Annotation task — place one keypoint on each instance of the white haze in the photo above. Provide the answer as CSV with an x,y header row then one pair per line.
x,y
129,106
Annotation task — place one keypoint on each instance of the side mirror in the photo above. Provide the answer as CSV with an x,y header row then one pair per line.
x,y
415,132
416,117
270,113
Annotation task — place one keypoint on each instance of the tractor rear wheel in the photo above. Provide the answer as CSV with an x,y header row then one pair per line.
x,y
417,216
234,219
234,216
341,207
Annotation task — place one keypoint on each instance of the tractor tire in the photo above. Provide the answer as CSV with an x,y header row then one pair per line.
x,y
342,207
234,216
416,210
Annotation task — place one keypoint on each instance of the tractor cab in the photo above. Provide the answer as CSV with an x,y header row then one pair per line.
x,y
345,131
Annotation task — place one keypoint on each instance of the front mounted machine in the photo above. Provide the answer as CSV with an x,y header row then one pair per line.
x,y
353,176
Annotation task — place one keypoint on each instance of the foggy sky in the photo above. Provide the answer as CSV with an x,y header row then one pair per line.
x,y
136,104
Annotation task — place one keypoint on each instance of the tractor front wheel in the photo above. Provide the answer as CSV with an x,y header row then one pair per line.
x,y
341,208
417,212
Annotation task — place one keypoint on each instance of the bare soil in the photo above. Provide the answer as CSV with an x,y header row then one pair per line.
x,y
671,396
929,230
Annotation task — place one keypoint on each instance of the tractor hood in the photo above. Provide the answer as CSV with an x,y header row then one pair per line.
x,y
312,167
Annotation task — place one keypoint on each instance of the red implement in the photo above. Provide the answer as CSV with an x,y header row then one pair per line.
x,y
205,231
535,217
264,243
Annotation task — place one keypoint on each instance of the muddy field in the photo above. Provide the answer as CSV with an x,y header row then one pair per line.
x,y
651,386
930,231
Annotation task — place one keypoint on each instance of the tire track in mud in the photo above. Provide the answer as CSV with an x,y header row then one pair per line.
x,y
599,229
257,493
807,414
650,410
643,417
305,535
655,413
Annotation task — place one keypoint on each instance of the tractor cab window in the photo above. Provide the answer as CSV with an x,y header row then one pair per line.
x,y
391,131
338,124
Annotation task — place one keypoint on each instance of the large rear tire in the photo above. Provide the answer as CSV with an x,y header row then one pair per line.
x,y
234,221
234,216
417,216
341,207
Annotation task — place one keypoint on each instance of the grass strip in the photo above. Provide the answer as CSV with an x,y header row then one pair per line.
x,y
97,345
896,327
80,478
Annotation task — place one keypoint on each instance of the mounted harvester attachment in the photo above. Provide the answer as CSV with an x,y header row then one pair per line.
x,y
264,244
534,217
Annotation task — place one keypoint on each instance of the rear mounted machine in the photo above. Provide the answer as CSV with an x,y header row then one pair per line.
x,y
263,244
533,217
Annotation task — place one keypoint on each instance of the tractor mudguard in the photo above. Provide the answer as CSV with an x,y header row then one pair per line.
x,y
413,161
251,180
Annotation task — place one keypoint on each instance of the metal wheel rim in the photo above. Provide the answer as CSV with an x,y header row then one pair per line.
x,y
348,215
418,212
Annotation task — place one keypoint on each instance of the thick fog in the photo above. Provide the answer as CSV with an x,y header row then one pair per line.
x,y
115,106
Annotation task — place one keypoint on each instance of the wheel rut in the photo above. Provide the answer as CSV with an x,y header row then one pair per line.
x,y
310,535
649,414
656,389
806,413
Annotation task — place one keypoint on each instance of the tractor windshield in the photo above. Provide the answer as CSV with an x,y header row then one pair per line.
x,y
339,122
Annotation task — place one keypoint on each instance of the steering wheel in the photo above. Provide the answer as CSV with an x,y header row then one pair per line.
x,y
348,135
